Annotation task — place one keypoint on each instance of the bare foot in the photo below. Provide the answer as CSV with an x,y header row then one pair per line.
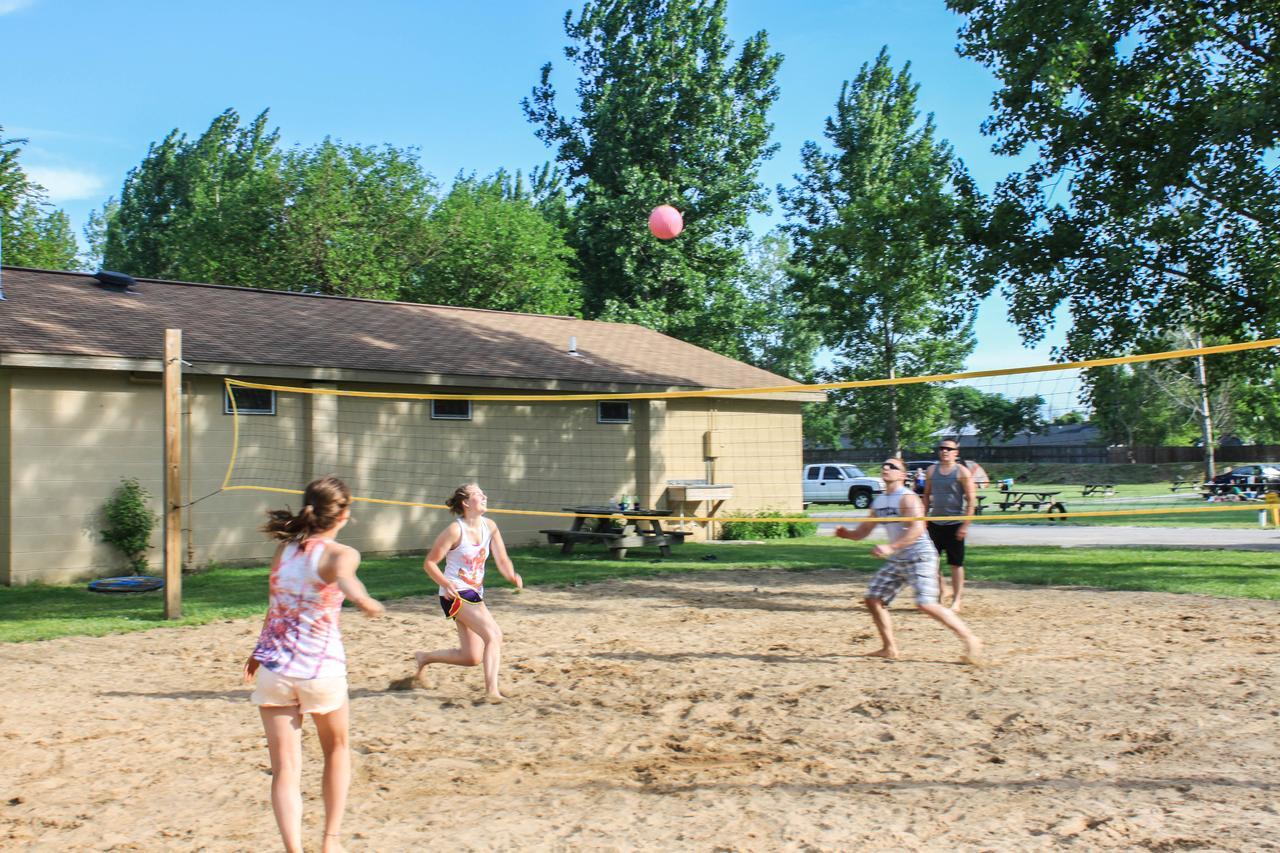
x,y
973,653
955,606
332,844
886,653
494,698
420,658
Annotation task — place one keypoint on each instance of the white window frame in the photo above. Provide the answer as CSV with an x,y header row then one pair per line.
x,y
444,417
601,419
241,410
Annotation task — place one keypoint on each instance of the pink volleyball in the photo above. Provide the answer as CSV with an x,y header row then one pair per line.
x,y
665,222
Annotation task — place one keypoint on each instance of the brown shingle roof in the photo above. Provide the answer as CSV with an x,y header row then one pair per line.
x,y
60,313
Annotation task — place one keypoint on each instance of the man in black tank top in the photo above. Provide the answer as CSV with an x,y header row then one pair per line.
x,y
949,491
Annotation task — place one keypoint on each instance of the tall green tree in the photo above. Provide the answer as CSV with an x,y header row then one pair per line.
x,y
356,222
1153,201
994,417
776,332
491,247
231,207
881,253
1257,410
1130,407
666,113
203,209
33,233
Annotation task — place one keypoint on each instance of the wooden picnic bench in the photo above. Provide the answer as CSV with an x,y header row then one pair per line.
x,y
1098,489
616,529
1180,484
1033,499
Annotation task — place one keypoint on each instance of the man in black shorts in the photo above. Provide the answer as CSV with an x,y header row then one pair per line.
x,y
949,491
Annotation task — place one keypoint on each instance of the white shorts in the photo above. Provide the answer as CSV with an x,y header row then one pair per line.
x,y
311,695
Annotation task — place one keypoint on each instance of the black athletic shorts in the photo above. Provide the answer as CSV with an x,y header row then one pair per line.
x,y
945,540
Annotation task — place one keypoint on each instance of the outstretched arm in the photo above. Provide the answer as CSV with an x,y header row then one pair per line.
x,y
345,564
970,501
862,531
445,542
502,559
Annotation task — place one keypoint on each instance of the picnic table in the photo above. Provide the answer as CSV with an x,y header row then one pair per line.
x,y
617,529
1037,500
1098,489
1209,490
1180,484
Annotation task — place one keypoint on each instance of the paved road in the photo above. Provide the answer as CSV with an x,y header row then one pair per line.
x,y
1240,539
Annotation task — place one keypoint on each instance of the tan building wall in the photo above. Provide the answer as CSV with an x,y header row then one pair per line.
x,y
757,449
68,437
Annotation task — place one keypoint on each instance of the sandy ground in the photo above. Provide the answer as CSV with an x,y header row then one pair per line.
x,y
725,711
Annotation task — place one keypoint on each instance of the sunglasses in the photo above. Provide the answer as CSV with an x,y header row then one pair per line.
x,y
890,465
952,449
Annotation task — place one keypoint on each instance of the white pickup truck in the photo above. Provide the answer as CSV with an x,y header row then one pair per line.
x,y
838,483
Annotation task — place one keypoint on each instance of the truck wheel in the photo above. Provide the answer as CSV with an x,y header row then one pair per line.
x,y
860,498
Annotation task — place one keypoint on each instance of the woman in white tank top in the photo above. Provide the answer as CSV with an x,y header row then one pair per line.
x,y
465,546
298,666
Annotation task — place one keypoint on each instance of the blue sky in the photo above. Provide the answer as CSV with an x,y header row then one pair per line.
x,y
90,84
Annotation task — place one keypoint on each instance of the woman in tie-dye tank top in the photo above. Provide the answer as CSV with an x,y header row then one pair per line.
x,y
299,665
465,545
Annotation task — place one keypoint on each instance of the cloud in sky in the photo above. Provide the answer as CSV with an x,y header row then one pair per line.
x,y
7,6
66,184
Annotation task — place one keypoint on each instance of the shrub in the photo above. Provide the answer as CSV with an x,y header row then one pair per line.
x,y
764,529
130,522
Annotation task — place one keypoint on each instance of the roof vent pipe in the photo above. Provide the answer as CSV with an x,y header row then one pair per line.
x,y
573,346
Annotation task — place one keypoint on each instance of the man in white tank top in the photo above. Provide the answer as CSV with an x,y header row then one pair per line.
x,y
910,558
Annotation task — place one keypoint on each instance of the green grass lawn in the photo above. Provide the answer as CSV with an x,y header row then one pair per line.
x,y
44,612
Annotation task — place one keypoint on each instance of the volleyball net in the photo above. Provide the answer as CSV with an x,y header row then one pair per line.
x,y
726,455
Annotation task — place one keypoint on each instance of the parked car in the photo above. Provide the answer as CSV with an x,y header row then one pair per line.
x,y
1250,475
839,482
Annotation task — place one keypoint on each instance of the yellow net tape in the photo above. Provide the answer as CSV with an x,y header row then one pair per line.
x,y
780,389
824,519
739,392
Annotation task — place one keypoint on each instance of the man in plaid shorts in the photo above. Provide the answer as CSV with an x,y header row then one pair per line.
x,y
910,559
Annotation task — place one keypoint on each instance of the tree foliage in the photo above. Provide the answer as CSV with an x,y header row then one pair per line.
x,y
1131,409
34,234
492,246
355,220
994,417
879,229
231,207
203,209
665,114
1153,202
776,333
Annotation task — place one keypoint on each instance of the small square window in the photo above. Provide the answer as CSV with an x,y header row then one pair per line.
x,y
613,413
451,410
249,401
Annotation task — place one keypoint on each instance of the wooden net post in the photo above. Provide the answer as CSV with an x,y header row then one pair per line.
x,y
172,473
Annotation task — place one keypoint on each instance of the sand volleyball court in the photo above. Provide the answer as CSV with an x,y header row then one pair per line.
x,y
719,711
